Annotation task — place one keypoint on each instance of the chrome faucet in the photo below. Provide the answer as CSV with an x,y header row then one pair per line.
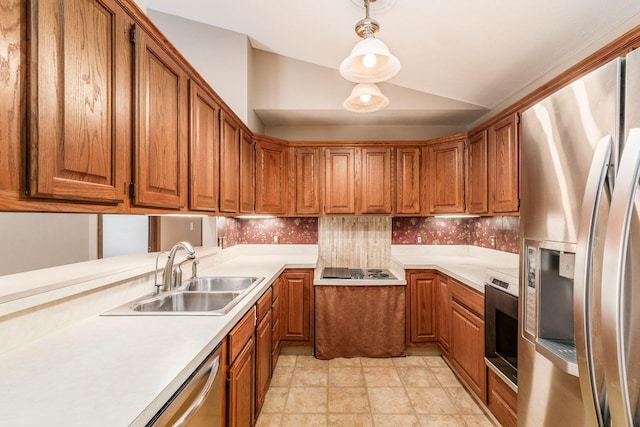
x,y
169,280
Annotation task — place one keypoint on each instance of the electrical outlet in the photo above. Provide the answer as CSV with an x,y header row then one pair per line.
x,y
492,239
275,239
419,240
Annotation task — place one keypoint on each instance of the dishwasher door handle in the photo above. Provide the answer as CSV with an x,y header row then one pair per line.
x,y
198,401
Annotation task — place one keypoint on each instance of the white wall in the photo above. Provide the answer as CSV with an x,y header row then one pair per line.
x,y
31,241
220,56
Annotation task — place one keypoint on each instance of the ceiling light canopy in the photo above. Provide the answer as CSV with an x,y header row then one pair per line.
x,y
366,98
370,60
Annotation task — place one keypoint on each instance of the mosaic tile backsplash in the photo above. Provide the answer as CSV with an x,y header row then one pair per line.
x,y
405,231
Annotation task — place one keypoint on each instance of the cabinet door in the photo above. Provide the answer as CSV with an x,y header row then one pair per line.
x,y
271,178
339,190
241,388
443,312
467,348
421,314
204,142
161,123
263,359
79,100
308,179
478,187
408,175
229,164
446,177
375,181
504,166
296,315
247,173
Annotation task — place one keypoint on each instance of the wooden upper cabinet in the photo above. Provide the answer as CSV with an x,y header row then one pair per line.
x,y
339,182
229,164
375,182
446,177
161,100
478,185
307,180
271,178
204,142
504,166
247,173
408,181
79,100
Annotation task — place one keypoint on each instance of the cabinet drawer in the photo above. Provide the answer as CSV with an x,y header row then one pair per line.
x,y
241,334
264,304
467,297
502,401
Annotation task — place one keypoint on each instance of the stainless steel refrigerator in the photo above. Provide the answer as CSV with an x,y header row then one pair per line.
x,y
579,319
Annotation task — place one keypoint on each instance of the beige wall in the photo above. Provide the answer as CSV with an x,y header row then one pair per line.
x,y
220,56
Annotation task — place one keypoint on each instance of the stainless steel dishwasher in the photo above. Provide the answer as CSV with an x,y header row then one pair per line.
x,y
198,402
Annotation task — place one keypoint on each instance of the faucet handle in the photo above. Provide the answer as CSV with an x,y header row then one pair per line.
x,y
194,268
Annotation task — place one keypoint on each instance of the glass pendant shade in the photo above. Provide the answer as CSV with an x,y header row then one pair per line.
x,y
370,62
366,98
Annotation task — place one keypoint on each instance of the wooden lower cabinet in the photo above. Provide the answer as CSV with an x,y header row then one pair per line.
x,y
276,332
421,318
467,348
263,359
241,388
296,305
502,401
443,314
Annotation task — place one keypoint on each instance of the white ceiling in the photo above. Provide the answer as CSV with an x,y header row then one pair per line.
x,y
477,52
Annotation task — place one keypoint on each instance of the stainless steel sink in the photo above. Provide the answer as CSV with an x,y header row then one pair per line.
x,y
188,301
220,283
211,296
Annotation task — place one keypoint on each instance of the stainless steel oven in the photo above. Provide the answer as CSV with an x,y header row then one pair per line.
x,y
501,323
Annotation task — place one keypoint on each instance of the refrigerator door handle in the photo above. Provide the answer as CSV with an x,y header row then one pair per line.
x,y
582,288
613,274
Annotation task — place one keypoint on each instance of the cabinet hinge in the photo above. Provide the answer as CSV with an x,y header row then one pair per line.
x,y
133,34
132,189
518,203
517,118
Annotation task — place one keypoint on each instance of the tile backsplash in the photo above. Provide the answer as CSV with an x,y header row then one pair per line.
x,y
504,230
483,231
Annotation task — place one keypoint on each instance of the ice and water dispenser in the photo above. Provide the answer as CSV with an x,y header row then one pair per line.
x,y
548,305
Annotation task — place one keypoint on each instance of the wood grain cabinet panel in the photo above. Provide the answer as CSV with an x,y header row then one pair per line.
x,y
339,187
271,178
247,173
467,348
477,174
421,315
229,164
502,401
296,316
263,359
204,147
241,388
376,192
161,100
79,107
446,177
408,181
443,314
504,167
308,179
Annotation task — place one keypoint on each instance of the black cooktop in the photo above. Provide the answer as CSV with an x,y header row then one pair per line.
x,y
357,273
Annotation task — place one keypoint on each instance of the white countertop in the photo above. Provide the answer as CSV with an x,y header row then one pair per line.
x,y
119,370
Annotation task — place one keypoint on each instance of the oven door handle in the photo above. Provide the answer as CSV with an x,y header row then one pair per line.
x,y
594,398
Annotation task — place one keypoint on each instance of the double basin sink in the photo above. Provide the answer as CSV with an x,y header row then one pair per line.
x,y
210,295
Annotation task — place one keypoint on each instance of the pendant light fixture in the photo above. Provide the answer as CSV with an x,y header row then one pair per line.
x,y
370,60
366,98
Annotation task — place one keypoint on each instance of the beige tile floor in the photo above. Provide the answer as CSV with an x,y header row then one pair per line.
x,y
397,392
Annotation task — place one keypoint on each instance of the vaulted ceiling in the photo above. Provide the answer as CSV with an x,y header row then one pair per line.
x,y
460,58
